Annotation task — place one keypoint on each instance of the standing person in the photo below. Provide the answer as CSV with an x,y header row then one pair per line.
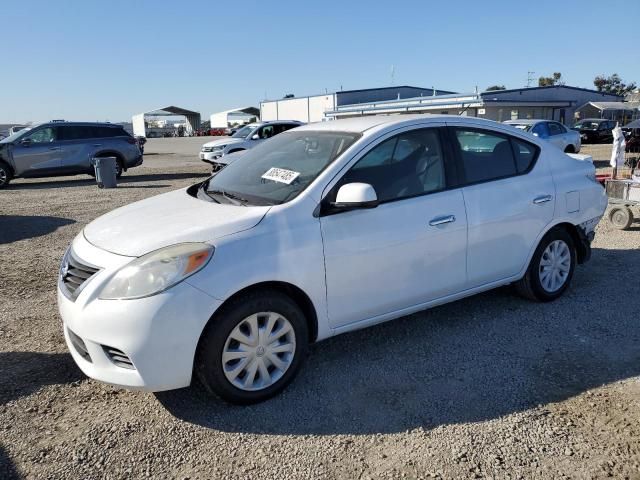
x,y
617,152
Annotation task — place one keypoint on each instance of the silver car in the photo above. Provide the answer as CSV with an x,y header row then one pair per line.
x,y
65,148
554,132
216,152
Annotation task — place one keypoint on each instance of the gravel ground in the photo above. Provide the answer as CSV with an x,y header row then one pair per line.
x,y
489,387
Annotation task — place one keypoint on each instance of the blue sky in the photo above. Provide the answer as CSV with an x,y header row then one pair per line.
x,y
106,60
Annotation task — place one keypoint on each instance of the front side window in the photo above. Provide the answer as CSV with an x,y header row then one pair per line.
x,y
406,165
43,135
490,156
541,130
276,171
266,132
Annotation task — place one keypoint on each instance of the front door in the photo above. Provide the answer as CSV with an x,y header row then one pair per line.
x,y
37,153
408,250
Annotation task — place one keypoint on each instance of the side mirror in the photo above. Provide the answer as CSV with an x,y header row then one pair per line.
x,y
536,134
356,195
25,142
255,137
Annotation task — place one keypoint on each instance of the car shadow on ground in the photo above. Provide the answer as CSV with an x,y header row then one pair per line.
x,y
23,373
8,470
473,360
20,227
126,179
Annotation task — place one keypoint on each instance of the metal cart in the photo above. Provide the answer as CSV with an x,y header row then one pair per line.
x,y
624,196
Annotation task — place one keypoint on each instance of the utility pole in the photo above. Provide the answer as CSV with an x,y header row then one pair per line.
x,y
530,78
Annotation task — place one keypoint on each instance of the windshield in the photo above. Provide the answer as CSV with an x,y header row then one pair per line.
x,y
277,171
16,136
244,132
587,125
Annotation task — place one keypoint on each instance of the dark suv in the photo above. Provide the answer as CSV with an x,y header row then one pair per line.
x,y
595,130
65,148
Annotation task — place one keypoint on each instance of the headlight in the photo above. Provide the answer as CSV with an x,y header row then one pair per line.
x,y
157,271
219,147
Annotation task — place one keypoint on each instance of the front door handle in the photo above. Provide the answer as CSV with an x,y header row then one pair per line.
x,y
97,144
442,220
54,148
542,199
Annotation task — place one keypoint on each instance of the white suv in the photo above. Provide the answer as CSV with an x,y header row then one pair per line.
x,y
328,228
247,137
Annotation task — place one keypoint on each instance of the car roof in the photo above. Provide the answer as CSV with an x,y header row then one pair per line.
x,y
84,124
594,120
527,121
378,122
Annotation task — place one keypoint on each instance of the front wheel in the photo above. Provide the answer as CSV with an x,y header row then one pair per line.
x,y
5,174
551,268
253,347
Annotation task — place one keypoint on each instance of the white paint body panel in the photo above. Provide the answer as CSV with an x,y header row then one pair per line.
x,y
357,268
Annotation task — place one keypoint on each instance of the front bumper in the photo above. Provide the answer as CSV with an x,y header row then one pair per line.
x,y
157,335
209,157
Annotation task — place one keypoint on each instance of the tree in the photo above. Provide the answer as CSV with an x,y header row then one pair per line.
x,y
613,84
289,95
496,87
555,79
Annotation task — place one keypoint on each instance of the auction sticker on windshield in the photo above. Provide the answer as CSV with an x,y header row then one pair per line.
x,y
281,175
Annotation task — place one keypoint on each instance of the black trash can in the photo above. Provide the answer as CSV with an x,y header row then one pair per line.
x,y
105,172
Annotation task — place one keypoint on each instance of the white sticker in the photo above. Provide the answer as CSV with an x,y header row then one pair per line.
x,y
281,175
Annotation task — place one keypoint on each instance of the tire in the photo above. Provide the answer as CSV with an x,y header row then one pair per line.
x,y
621,217
570,149
231,378
557,249
5,174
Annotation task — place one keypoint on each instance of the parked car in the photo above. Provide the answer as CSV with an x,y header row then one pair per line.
x,y
247,137
16,128
324,229
65,148
566,140
595,130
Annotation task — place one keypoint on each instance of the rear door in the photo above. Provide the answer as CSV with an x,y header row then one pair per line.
x,y
78,145
557,135
508,192
38,152
408,250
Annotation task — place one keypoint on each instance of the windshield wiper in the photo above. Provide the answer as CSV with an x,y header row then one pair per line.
x,y
229,196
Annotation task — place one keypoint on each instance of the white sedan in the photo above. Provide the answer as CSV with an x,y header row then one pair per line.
x,y
568,141
328,228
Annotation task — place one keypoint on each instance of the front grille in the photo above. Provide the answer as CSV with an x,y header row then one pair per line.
x,y
74,275
79,345
118,357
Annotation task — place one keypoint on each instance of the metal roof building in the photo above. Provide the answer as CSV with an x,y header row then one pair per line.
x,y
554,103
221,119
312,108
192,119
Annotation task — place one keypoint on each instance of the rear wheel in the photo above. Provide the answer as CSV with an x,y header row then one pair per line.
x,y
253,347
551,268
569,149
621,217
5,174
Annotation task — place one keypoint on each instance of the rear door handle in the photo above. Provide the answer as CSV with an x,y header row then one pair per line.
x,y
542,199
97,144
54,148
442,220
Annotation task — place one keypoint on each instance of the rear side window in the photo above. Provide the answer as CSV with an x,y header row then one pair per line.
x,y
555,128
490,156
106,132
75,132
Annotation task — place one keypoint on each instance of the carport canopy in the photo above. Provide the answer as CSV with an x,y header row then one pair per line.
x,y
192,118
221,119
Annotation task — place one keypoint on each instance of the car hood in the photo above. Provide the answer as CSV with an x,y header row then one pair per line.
x,y
168,219
223,141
